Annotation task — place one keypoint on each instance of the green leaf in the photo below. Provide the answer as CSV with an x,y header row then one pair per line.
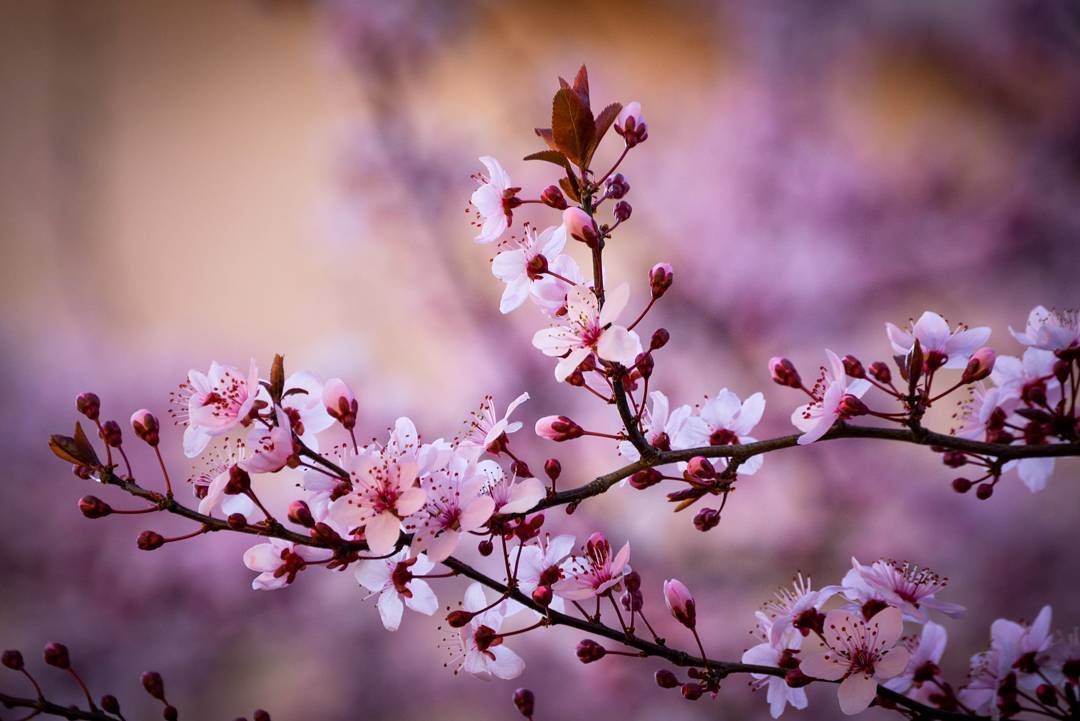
x,y
572,126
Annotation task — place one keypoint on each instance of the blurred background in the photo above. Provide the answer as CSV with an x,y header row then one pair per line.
x,y
183,182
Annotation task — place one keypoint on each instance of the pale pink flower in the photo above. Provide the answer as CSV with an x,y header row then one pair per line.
x,y
511,494
588,329
305,406
494,201
724,419
1050,330
662,427
214,403
860,652
277,562
770,653
542,564
270,448
797,607
339,402
209,483
526,262
925,656
455,504
549,292
486,430
1009,642
481,651
594,573
1013,375
680,602
394,580
906,586
935,336
816,418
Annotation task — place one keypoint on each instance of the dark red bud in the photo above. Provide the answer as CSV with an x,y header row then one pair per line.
x,y
543,595
692,691
150,541
56,654
553,197
984,491
300,514
111,434
646,478
961,485
660,338
169,713
553,468
589,651
94,507
154,684
236,521
623,211
109,704
854,367
525,701
666,679
459,619
707,519
486,547
89,405
13,660
880,372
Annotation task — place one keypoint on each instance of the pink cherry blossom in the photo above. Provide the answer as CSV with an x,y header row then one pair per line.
x,y
861,653
305,406
662,428
906,586
394,580
1050,330
270,448
525,262
542,564
935,336
481,651
816,418
278,562
1009,642
595,572
925,656
209,483
550,291
797,607
680,602
455,504
494,201
510,493
588,329
214,403
724,419
771,652
486,430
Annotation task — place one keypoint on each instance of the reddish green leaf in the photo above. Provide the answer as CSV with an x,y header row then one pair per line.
x,y
603,123
572,125
545,133
551,156
581,84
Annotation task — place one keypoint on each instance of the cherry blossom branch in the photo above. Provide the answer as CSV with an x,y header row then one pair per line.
x,y
49,708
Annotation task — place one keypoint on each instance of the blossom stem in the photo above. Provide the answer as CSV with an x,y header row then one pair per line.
x,y
637,320
82,685
123,454
563,278
164,472
618,613
614,167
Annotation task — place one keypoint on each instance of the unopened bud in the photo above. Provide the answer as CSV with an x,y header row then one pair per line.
x,y
260,715
617,186
300,514
701,468
146,426
851,406
525,701
154,684
150,541
13,660
707,519
56,654
979,366
589,651
666,679
340,402
660,279
558,428
581,226
553,197
485,547
553,468
543,595
169,713
89,405
880,372
236,521
94,507
623,211
109,704
459,619
692,691
784,373
954,459
984,491
853,366
961,485
660,338
646,478
111,434
680,602
630,124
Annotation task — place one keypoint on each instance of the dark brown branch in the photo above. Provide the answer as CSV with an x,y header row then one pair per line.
x,y
49,708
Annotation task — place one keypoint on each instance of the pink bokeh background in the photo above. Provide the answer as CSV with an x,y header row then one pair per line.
x,y
209,180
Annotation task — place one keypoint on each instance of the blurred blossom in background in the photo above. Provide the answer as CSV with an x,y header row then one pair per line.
x,y
193,181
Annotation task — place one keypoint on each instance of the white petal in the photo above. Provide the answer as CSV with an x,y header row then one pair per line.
x,y
390,609
614,304
382,532
423,598
619,345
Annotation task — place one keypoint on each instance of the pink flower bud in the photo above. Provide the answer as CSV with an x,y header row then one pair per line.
x,y
146,426
700,468
589,651
980,365
553,197
580,226
851,406
525,701
784,373
631,125
89,405
56,654
558,428
660,278
553,468
680,603
340,402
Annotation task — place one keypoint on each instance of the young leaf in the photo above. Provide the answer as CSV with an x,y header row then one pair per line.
x,y
551,156
572,125
545,133
581,84
277,378
570,188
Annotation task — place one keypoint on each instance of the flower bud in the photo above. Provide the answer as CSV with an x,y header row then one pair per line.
x,y
111,434
979,365
680,602
954,459
623,211
109,704
521,469
589,651
154,684
666,679
880,372
660,278
325,534
784,373
630,124
459,619
260,715
300,514
150,541
553,198
617,186
56,654
853,366
935,359
146,426
236,521
543,595
485,547
707,519
961,485
851,406
558,428
700,468
646,478
340,402
525,701
12,659
795,678
94,507
692,691
169,713
660,338
553,468
89,405
984,491
581,226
